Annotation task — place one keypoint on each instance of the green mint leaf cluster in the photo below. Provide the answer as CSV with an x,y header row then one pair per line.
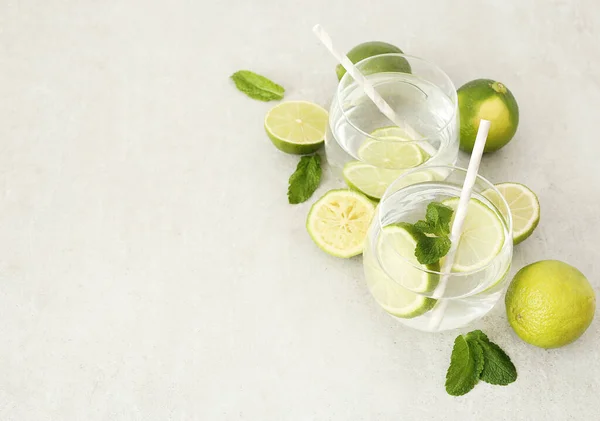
x,y
305,180
474,357
437,220
433,242
257,86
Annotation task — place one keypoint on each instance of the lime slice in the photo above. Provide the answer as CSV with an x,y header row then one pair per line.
x,y
395,299
392,150
338,222
497,281
367,179
392,153
482,237
296,127
406,133
373,181
524,208
396,251
393,131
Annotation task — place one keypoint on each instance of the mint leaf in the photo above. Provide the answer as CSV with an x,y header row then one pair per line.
x,y
465,367
477,335
424,227
257,86
435,243
305,180
431,249
478,354
498,369
437,221
437,211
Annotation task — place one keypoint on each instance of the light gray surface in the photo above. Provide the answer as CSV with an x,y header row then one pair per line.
x,y
150,266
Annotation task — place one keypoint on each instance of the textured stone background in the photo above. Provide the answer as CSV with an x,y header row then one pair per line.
x,y
150,266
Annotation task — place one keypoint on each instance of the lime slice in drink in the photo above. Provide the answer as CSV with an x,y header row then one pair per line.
x,y
396,132
396,251
373,181
393,148
338,222
395,299
482,237
497,281
367,179
296,127
524,208
392,153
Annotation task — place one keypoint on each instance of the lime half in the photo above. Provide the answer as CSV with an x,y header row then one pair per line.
x,y
524,208
482,237
338,222
296,127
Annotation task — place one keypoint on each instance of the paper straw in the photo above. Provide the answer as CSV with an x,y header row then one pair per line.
x,y
369,90
459,219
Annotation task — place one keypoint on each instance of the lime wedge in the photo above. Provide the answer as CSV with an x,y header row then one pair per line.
x,y
482,237
296,127
396,251
338,222
524,208
367,179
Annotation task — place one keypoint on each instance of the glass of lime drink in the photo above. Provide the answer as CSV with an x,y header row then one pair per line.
x,y
366,149
419,295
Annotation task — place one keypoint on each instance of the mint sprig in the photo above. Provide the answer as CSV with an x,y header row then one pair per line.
x,y
257,86
437,219
474,357
433,241
305,180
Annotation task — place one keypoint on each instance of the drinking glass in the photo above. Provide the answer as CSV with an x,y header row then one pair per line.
x,y
365,148
421,296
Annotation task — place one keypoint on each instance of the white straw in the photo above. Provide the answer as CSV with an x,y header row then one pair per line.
x,y
369,90
459,219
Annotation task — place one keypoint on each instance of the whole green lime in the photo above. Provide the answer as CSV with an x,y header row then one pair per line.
x,y
384,64
550,304
489,100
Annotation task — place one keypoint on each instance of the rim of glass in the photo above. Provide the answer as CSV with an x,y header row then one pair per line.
x,y
453,98
508,223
